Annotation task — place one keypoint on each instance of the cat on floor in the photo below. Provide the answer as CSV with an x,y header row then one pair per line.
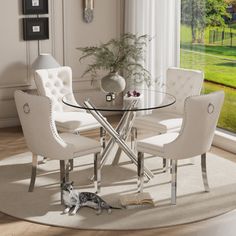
x,y
74,200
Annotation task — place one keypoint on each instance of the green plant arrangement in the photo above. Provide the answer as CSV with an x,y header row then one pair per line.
x,y
123,56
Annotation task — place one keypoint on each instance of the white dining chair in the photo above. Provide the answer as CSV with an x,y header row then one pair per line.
x,y
181,83
55,83
42,138
201,114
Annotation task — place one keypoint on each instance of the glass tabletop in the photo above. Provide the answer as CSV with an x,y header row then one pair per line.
x,y
148,100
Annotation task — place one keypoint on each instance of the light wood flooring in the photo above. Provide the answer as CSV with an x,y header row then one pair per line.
x,y
12,142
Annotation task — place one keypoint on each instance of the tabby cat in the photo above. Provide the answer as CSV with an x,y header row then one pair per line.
x,y
74,200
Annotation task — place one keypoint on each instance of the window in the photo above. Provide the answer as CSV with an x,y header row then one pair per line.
x,y
208,43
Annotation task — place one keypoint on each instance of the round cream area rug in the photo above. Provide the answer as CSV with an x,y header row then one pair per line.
x,y
43,205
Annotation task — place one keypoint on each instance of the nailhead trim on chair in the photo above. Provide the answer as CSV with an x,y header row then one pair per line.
x,y
52,123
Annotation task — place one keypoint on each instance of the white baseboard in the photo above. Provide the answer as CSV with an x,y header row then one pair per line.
x,y
225,140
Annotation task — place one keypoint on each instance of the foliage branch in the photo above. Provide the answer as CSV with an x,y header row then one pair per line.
x,y
124,55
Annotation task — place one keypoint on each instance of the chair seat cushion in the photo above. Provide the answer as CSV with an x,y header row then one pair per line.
x,y
81,145
160,122
75,121
155,144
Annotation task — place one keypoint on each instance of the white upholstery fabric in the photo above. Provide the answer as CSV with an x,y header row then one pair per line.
x,y
56,83
71,121
180,83
81,145
35,113
197,131
161,122
155,144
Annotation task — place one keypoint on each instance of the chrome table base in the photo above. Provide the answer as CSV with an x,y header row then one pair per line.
x,y
118,135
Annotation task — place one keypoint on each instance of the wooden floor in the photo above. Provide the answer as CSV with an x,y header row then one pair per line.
x,y
12,142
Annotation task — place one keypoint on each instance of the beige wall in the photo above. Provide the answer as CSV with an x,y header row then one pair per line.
x,y
67,32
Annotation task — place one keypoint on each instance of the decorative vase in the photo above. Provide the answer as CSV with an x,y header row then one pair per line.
x,y
113,83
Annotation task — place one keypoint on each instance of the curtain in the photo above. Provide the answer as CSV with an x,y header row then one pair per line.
x,y
160,20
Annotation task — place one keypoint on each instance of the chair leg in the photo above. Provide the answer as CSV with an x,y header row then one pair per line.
x,y
170,166
204,172
174,182
62,177
134,135
102,138
140,171
97,172
33,172
67,168
62,171
64,174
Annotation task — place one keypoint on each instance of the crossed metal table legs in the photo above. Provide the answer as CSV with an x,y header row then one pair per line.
x,y
118,135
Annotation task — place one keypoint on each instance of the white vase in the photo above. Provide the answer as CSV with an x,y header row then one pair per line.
x,y
113,83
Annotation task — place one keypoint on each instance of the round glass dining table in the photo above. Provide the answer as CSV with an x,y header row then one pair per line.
x,y
147,101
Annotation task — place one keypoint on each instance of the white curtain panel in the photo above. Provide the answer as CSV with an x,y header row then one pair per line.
x,y
160,20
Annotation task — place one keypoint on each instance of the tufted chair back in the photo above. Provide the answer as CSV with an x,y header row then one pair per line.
x,y
39,128
182,83
55,83
203,110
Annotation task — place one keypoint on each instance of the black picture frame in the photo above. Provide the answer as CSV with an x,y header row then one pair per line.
x,y
30,7
35,28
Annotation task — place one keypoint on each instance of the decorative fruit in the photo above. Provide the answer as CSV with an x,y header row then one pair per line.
x,y
133,93
129,94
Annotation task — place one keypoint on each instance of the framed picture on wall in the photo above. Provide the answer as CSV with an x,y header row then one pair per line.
x,y
35,28
35,7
